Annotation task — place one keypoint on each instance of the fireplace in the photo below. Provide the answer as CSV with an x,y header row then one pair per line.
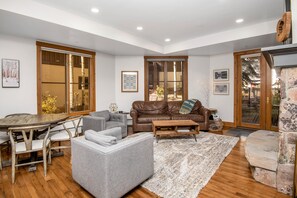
x,y
284,58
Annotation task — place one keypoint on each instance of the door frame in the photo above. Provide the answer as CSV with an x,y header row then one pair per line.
x,y
238,88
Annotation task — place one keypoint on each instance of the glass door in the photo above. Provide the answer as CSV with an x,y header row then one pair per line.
x,y
273,98
257,92
250,91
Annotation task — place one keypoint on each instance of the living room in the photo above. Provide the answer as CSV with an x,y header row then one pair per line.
x,y
25,23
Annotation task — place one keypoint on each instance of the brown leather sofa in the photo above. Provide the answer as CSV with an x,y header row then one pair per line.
x,y
143,113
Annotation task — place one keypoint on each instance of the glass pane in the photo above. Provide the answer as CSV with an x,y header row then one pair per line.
x,y
53,98
53,73
174,71
156,81
53,77
80,97
275,97
251,89
174,91
79,83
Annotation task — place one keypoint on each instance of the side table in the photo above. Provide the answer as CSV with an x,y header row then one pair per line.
x,y
129,122
215,123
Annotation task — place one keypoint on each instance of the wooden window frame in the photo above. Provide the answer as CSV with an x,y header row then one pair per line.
x,y
185,74
92,92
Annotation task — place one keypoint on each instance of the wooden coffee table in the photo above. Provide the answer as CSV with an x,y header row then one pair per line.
x,y
175,128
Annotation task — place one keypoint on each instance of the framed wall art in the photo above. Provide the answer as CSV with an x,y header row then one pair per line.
x,y
129,81
10,73
221,88
220,74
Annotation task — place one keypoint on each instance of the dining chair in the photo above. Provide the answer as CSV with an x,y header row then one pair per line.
x,y
63,132
4,139
19,137
29,145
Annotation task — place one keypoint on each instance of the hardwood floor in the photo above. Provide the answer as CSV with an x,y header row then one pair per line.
x,y
232,179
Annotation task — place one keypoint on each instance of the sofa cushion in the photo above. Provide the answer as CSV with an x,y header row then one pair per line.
x,y
112,124
194,117
150,107
103,140
104,114
150,118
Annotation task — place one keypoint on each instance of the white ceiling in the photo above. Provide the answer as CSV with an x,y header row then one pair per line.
x,y
196,27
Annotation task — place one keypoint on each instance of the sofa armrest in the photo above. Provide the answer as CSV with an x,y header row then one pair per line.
x,y
133,113
206,113
94,123
115,170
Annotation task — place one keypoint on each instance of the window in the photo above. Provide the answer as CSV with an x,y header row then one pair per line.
x,y
66,79
166,78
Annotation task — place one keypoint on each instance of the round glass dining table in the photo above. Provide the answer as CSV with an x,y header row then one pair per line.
x,y
31,119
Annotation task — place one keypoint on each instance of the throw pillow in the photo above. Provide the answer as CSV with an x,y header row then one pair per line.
x,y
115,132
187,106
103,140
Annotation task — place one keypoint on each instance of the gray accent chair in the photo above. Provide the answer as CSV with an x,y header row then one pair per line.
x,y
101,120
112,171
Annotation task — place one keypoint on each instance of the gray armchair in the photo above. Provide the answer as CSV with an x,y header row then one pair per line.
x,y
101,120
112,171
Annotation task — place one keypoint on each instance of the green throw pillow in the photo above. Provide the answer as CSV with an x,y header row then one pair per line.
x,y
187,106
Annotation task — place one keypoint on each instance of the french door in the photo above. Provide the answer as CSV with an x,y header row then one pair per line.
x,y
257,91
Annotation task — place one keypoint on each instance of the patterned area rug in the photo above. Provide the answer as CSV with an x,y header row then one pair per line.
x,y
182,167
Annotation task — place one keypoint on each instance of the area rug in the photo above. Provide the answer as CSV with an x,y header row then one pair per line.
x,y
182,167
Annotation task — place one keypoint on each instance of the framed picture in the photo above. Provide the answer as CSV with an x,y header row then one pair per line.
x,y
221,88
10,73
129,81
220,74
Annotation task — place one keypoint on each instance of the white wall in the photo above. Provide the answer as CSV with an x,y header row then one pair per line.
x,y
198,79
223,103
124,100
23,99
105,81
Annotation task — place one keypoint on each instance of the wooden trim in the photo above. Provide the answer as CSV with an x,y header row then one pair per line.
x,y
93,84
38,77
146,73
228,125
236,66
92,77
66,48
165,57
185,74
253,51
185,81
264,93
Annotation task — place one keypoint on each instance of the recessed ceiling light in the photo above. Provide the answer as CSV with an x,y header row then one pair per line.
x,y
139,28
95,10
239,20
167,40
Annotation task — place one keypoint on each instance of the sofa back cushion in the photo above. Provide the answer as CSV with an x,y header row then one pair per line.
x,y
150,107
104,114
174,107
